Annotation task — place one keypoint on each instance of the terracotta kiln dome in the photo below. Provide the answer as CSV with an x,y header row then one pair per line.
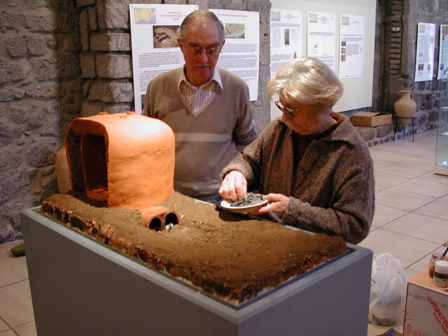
x,y
124,159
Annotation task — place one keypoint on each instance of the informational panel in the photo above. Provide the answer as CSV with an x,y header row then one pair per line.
x,y
154,43
154,33
286,36
241,52
321,37
443,53
357,89
424,62
351,46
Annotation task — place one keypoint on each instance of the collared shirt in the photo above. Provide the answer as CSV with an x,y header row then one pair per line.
x,y
198,98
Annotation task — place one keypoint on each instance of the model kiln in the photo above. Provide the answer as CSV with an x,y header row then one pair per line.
x,y
125,160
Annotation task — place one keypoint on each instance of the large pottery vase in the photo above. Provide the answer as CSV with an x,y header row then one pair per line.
x,y
405,107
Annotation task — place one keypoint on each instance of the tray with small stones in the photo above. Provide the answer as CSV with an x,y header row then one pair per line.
x,y
250,203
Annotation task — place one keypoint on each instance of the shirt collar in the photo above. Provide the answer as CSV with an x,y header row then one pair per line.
x,y
216,77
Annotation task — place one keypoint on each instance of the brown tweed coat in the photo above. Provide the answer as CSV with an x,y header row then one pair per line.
x,y
331,191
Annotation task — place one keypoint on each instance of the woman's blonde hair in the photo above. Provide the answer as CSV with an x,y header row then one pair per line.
x,y
306,81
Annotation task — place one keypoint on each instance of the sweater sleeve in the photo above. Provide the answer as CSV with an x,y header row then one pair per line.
x,y
351,212
250,162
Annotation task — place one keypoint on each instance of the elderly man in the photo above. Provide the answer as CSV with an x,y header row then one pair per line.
x,y
208,108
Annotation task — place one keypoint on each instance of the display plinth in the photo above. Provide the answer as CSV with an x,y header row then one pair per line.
x,y
82,287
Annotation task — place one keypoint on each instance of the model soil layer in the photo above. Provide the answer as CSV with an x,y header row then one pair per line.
x,y
230,256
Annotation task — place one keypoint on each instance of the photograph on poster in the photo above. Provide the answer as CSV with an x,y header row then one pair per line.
x,y
165,36
234,30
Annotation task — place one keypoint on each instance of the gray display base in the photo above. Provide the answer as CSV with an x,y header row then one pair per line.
x,y
82,287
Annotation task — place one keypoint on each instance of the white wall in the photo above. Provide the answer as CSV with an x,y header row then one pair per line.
x,y
357,91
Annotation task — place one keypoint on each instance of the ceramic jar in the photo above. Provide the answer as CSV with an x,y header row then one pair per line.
x,y
405,107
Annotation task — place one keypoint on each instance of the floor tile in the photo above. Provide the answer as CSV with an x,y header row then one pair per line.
x,y
388,156
422,264
404,248
402,200
438,178
8,333
384,214
404,169
12,269
27,329
415,225
3,325
411,272
423,187
15,304
438,208
6,247
388,180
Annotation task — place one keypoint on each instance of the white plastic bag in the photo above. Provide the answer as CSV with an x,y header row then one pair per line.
x,y
387,291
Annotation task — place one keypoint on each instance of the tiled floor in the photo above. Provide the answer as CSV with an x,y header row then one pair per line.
x,y
411,221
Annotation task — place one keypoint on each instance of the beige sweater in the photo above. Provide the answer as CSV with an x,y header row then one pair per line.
x,y
332,190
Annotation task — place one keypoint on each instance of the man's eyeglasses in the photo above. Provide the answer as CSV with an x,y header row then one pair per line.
x,y
197,51
292,113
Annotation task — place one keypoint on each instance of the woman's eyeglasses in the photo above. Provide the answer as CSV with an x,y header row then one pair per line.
x,y
292,113
197,51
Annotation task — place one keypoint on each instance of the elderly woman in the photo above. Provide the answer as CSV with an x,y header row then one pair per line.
x,y
312,164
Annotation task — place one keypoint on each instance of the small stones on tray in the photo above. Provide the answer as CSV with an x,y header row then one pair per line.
x,y
251,199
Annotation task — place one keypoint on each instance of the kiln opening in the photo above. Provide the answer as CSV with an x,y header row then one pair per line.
x,y
93,156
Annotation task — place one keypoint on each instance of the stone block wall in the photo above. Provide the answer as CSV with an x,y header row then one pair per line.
x,y
40,93
63,59
397,40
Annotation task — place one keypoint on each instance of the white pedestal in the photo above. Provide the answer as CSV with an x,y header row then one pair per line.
x,y
81,287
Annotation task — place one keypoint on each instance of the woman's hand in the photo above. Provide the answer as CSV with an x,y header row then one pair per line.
x,y
234,186
278,204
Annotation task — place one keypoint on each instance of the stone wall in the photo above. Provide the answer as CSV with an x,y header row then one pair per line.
x,y
61,59
396,47
40,93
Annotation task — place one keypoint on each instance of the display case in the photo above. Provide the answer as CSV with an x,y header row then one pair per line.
x,y
441,164
82,287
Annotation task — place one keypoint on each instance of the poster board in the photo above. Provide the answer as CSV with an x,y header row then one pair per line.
x,y
155,50
424,58
154,43
357,90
